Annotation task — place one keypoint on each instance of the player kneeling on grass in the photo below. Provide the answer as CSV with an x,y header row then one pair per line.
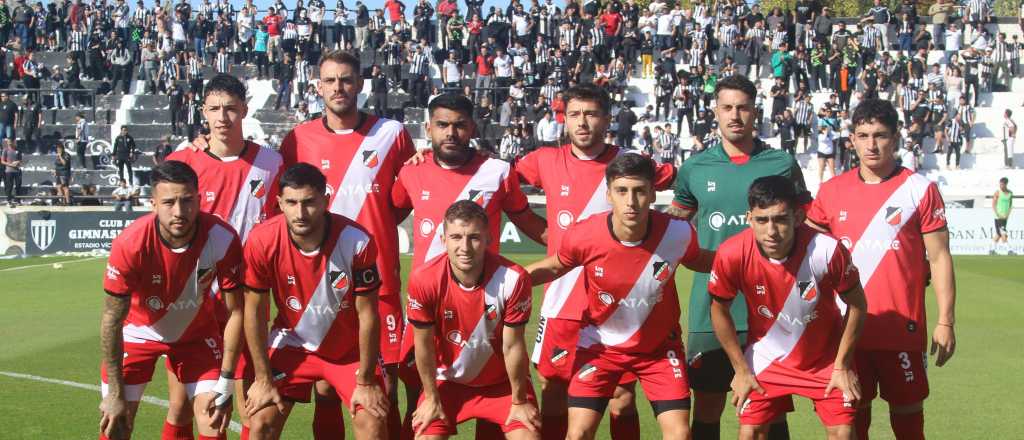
x,y
468,308
322,271
628,258
799,342
158,282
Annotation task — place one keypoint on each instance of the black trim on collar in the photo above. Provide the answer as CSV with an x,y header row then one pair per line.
x,y
611,231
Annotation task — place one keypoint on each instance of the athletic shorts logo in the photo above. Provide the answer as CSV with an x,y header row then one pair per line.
x,y
911,326
154,303
893,215
257,188
339,280
565,219
586,371
455,337
491,312
559,356
763,311
370,159
807,290
43,232
293,303
605,298
426,227
477,196
661,270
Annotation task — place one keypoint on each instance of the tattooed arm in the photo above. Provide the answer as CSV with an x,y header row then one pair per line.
x,y
680,212
114,422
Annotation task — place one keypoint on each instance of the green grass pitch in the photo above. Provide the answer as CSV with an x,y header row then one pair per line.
x,y
49,325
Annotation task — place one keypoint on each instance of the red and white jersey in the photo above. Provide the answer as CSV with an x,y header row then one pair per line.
x,y
795,322
575,189
361,166
632,304
468,323
241,191
429,189
168,301
313,292
883,227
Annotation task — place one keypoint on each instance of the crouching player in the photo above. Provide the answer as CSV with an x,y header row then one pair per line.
x,y
468,308
799,341
628,258
322,271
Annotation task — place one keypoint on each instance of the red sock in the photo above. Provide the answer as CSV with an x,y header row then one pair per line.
x,y
175,432
245,433
213,437
625,427
328,422
485,429
908,426
554,427
862,423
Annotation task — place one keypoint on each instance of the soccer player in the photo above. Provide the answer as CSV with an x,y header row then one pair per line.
x,y
799,342
628,259
1002,204
320,269
894,223
237,182
361,155
573,179
158,304
711,191
469,308
454,171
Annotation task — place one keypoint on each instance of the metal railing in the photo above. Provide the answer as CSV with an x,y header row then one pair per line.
x,y
68,95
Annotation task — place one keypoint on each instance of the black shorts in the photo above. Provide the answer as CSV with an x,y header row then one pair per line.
x,y
831,155
789,145
64,179
707,365
1001,226
801,130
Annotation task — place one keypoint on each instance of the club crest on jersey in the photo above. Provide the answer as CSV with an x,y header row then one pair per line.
x,y
661,270
154,303
477,196
559,356
807,290
293,303
491,311
339,280
606,298
893,215
257,188
371,159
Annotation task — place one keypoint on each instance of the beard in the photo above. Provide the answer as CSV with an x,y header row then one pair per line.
x,y
453,157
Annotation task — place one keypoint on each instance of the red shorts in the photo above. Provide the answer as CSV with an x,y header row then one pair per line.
x,y
301,370
761,409
900,375
389,307
554,353
461,403
196,364
662,375
407,371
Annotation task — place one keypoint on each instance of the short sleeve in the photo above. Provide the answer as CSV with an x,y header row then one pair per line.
x,y
684,197
843,275
120,274
519,304
722,281
816,211
229,268
257,275
422,304
569,252
406,148
364,268
514,201
528,169
932,210
288,149
400,194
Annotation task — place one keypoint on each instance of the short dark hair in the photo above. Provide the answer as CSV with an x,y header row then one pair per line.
x,y
467,211
589,92
878,110
451,101
223,82
737,82
341,57
303,174
769,190
630,165
174,171
1004,180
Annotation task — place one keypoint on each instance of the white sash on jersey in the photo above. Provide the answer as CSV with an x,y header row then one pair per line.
x,y
476,350
488,177
246,212
380,139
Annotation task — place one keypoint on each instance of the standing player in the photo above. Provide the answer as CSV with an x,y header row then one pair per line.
x,y
628,259
158,304
360,154
799,341
321,269
237,180
573,179
895,229
470,307
711,190
1002,205
454,171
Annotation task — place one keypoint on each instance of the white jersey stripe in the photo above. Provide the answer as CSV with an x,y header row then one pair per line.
x,y
246,212
477,350
351,194
488,179
633,310
785,332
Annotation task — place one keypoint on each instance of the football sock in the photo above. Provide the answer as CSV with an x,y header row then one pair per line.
x,y
554,426
706,431
175,432
485,429
778,431
862,423
245,433
908,426
625,426
328,422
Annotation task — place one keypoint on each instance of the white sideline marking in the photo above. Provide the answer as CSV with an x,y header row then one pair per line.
x,y
50,264
235,426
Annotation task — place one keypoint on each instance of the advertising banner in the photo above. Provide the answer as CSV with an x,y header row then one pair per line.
x,y
52,232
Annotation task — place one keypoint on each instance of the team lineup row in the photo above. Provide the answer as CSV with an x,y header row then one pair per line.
x,y
329,262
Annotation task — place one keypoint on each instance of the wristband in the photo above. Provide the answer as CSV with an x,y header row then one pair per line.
x,y
223,390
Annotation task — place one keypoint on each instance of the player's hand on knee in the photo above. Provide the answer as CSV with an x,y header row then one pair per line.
x,y
943,344
114,421
261,395
218,408
742,385
526,413
426,413
845,380
371,398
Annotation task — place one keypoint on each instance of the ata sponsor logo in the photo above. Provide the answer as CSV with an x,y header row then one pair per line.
x,y
257,188
565,219
426,227
798,320
717,219
293,303
43,232
871,244
357,189
154,303
641,302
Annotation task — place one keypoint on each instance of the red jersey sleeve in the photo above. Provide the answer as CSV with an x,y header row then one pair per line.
x,y
120,275
722,281
932,210
528,169
229,268
664,176
817,213
520,302
270,207
257,273
422,305
288,150
400,194
406,149
570,252
692,248
515,201
843,275
367,278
